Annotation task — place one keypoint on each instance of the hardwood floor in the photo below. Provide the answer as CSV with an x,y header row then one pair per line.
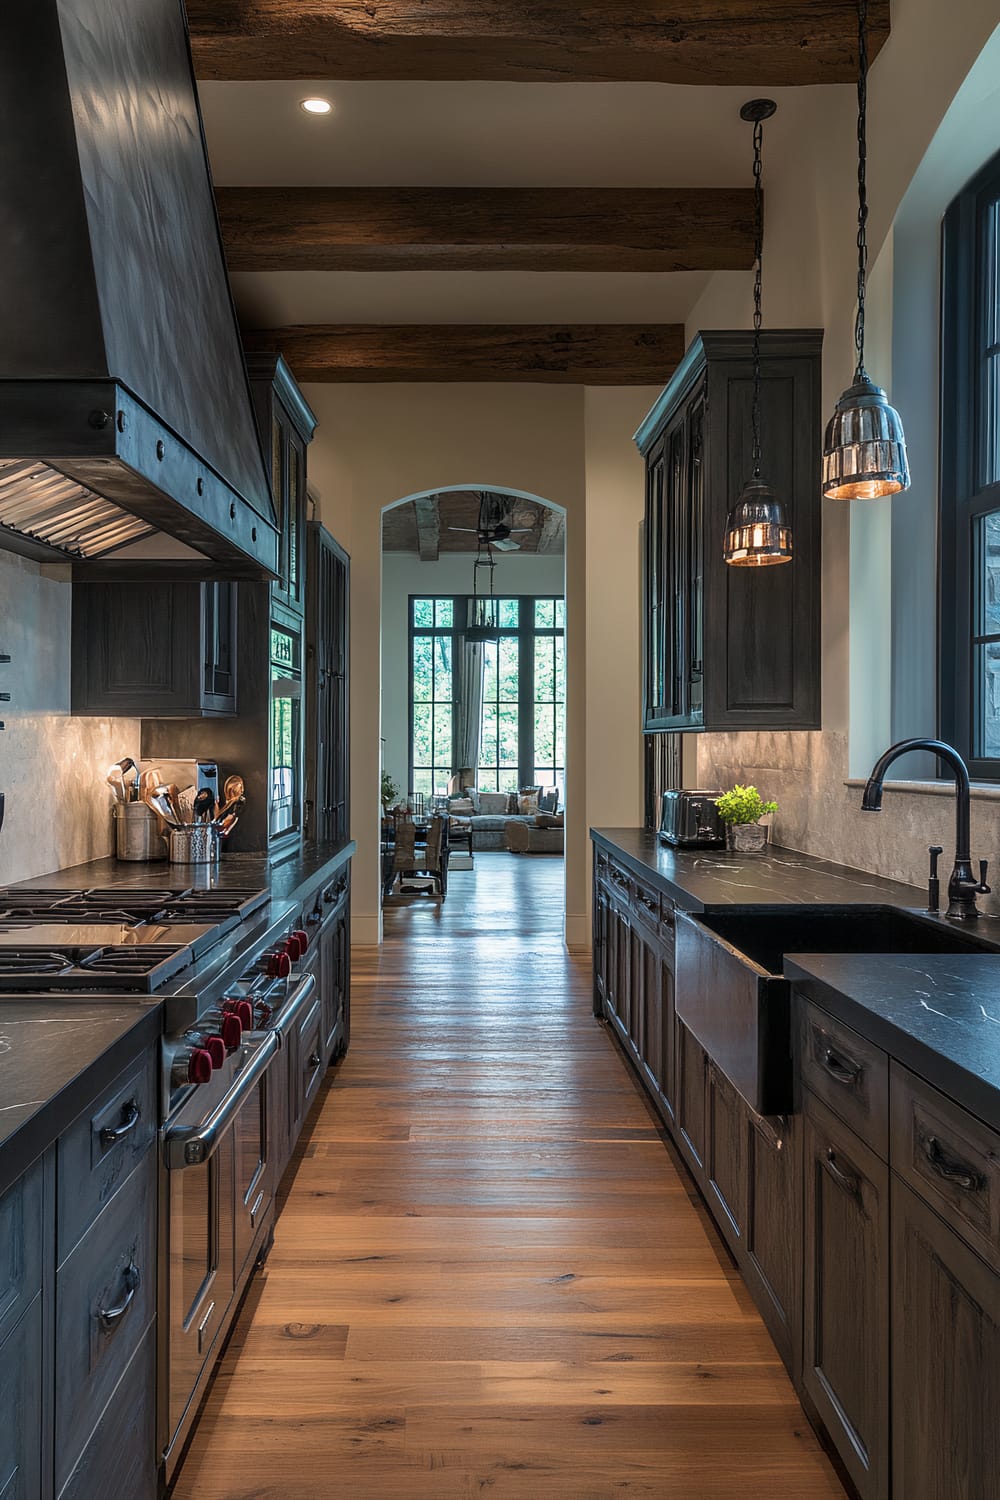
x,y
491,1277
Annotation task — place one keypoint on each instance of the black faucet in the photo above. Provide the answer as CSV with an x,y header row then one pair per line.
x,y
963,887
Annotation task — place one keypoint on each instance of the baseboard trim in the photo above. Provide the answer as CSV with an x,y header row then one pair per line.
x,y
576,931
366,932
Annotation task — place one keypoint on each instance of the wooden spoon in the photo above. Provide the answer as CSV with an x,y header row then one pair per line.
x,y
233,789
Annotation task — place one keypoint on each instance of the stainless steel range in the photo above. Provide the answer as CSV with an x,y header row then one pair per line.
x,y
229,967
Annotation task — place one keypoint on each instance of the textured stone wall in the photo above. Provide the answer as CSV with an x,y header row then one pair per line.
x,y
818,813
52,766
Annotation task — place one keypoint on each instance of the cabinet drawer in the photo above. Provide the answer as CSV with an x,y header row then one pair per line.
x,y
619,881
847,1073
120,1458
105,1299
20,1247
646,903
310,1056
102,1146
949,1157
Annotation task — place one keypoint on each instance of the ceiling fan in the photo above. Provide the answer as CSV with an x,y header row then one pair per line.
x,y
494,528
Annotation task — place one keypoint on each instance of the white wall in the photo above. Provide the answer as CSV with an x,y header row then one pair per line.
x,y
377,445
52,767
404,574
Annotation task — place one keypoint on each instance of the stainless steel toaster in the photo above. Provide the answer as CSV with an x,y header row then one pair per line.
x,y
690,819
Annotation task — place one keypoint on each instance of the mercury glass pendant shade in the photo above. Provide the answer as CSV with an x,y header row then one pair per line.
x,y
864,452
757,532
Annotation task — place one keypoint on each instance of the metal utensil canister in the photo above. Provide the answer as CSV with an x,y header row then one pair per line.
x,y
197,844
136,834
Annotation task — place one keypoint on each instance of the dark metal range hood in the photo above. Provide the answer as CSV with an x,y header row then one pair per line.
x,y
126,424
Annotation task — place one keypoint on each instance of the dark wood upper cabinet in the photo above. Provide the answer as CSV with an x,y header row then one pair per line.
x,y
327,702
286,426
732,647
157,650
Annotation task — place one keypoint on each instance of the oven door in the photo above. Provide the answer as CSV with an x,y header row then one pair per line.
x,y
221,1132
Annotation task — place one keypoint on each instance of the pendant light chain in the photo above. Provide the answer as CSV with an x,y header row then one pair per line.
x,y
758,208
859,322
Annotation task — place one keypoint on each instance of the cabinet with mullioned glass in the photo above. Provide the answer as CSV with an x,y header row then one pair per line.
x,y
731,647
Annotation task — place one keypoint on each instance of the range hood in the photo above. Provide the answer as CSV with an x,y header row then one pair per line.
x,y
126,423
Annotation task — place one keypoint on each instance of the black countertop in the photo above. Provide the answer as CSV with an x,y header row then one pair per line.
x,y
699,879
938,1014
55,1056
57,1053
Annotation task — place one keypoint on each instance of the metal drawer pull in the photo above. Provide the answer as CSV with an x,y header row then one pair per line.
x,y
130,1117
256,1210
845,1180
110,1317
203,1327
314,1059
957,1172
840,1068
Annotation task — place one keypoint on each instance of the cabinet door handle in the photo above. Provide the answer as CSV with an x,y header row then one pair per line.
x,y
841,1068
957,1172
649,902
130,1116
110,1317
845,1180
314,1059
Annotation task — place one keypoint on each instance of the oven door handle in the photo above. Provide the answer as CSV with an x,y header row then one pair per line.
x,y
291,1011
191,1145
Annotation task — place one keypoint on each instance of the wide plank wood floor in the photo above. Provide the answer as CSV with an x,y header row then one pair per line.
x,y
491,1277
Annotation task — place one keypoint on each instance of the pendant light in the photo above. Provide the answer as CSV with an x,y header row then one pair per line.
x,y
864,452
484,622
757,533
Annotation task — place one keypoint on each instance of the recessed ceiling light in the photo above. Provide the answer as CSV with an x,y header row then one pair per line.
x,y
317,106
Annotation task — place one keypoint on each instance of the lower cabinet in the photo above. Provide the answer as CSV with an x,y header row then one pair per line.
x,y
118,1458
772,1252
21,1406
845,1365
945,1360
691,1096
726,1154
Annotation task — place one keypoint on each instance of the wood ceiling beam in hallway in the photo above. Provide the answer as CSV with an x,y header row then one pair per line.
x,y
566,354
486,229
491,1277
753,42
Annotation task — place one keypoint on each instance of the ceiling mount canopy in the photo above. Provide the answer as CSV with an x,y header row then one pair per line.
x,y
757,531
864,452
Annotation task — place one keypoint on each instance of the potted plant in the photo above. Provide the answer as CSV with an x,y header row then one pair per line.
x,y
390,791
741,810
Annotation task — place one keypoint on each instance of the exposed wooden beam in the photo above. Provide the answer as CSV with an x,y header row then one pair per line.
x,y
428,528
751,42
568,354
507,229
552,535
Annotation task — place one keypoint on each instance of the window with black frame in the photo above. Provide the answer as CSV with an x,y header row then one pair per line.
x,y
521,693
970,474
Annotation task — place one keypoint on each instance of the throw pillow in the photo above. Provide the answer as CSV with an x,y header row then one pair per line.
x,y
493,804
461,806
549,800
527,802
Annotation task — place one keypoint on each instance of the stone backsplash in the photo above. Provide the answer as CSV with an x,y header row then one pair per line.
x,y
52,766
805,773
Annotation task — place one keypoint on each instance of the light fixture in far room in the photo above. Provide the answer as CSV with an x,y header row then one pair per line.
x,y
864,451
757,531
316,106
484,609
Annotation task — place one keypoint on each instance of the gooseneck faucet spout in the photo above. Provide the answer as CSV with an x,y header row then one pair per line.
x,y
963,886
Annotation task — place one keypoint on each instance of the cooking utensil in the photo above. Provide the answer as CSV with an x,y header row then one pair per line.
x,y
230,808
149,780
227,825
116,782
174,800
204,806
158,798
233,789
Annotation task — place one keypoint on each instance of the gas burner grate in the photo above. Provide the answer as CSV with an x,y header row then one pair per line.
x,y
114,967
30,961
128,960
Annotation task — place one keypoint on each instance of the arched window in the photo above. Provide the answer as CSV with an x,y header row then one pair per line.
x,y
970,474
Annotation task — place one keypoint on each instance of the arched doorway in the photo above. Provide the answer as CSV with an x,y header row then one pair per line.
x,y
473,663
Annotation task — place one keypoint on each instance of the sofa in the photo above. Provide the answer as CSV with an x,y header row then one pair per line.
x,y
541,835
488,814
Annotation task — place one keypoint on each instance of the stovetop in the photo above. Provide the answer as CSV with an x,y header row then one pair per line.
x,y
111,939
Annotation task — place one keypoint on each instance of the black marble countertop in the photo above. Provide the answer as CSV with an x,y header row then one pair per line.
x,y
57,1053
700,879
938,1014
55,1056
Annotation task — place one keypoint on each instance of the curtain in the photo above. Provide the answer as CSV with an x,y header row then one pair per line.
x,y
468,670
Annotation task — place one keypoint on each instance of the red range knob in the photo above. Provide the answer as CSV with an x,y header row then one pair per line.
x,y
279,965
199,1065
232,1032
215,1046
303,939
243,1011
